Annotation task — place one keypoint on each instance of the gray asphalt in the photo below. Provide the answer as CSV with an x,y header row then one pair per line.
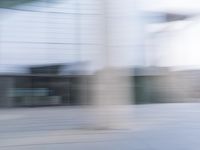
x,y
152,127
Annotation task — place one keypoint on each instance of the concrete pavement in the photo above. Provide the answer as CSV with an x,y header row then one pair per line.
x,y
154,127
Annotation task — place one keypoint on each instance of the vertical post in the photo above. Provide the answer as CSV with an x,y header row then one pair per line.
x,y
113,85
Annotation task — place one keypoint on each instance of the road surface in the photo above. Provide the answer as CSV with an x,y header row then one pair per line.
x,y
152,127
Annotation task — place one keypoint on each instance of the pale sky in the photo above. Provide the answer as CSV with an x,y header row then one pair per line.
x,y
178,44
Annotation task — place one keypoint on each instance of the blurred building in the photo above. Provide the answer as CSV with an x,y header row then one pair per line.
x,y
54,85
44,46
39,42
60,84
162,85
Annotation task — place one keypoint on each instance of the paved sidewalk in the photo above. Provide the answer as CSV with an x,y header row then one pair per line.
x,y
154,127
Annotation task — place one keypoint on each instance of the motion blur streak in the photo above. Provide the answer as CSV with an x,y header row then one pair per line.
x,y
96,74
